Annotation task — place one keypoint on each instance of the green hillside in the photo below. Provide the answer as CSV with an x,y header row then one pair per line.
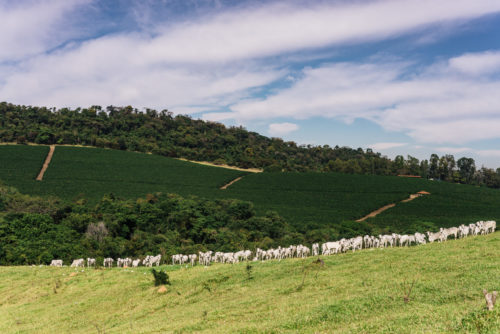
x,y
360,292
306,200
92,173
20,164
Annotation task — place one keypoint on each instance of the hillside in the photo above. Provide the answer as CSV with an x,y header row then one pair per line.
x,y
358,292
308,201
162,133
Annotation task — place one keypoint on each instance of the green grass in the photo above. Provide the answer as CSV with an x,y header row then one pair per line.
x,y
352,293
306,200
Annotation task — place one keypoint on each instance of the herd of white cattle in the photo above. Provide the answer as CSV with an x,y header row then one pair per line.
x,y
300,251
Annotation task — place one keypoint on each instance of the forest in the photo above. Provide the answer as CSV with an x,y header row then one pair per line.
x,y
162,133
35,230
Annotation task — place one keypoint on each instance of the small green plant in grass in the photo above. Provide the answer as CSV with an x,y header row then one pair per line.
x,y
249,271
161,277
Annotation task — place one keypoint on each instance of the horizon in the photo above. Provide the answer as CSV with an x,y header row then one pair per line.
x,y
401,77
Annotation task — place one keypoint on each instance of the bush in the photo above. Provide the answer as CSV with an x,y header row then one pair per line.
x,y
161,277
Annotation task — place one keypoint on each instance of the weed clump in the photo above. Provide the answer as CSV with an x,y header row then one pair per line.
x,y
161,277
249,271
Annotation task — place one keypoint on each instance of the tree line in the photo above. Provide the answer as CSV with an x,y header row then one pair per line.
x,y
162,133
36,230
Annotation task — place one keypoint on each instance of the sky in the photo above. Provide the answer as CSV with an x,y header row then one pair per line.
x,y
399,76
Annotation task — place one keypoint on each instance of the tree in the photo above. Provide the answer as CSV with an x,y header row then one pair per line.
x,y
434,166
466,169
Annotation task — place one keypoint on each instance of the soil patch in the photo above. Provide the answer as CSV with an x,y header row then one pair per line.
x,y
230,183
206,163
388,206
46,163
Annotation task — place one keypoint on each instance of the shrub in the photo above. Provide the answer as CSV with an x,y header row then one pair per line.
x,y
161,277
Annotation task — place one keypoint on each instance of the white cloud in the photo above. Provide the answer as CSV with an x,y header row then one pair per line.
x,y
280,129
107,71
31,27
436,105
477,63
385,146
280,28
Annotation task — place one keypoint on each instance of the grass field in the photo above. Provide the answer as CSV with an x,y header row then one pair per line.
x,y
358,292
306,200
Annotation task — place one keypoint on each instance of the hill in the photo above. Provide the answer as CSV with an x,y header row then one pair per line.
x,y
358,292
313,203
162,133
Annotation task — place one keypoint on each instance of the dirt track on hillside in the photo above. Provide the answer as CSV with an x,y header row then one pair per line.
x,y
206,163
46,163
388,206
230,183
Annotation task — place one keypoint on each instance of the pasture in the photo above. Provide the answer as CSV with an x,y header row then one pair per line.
x,y
360,292
307,201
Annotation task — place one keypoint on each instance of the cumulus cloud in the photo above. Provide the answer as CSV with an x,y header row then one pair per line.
x,y
437,104
280,129
386,145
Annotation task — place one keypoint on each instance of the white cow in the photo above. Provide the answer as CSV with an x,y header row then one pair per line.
x,y
78,263
192,259
108,262
490,226
56,263
154,260
136,263
434,236
315,249
90,262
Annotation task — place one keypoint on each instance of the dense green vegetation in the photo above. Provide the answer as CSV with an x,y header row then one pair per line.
x,y
449,205
360,292
319,206
92,173
37,230
180,136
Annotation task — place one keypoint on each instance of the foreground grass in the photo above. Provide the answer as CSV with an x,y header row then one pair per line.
x,y
358,292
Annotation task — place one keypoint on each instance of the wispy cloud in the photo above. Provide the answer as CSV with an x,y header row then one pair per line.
x,y
280,129
437,104
477,63
274,29
385,146
31,27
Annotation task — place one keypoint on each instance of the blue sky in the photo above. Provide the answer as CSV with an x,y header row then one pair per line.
x,y
399,76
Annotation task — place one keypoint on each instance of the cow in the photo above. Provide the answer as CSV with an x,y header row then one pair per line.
x,y
56,263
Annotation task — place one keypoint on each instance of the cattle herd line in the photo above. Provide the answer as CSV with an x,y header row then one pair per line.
x,y
300,251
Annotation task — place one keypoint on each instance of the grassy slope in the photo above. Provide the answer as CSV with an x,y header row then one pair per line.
x,y
307,200
353,293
